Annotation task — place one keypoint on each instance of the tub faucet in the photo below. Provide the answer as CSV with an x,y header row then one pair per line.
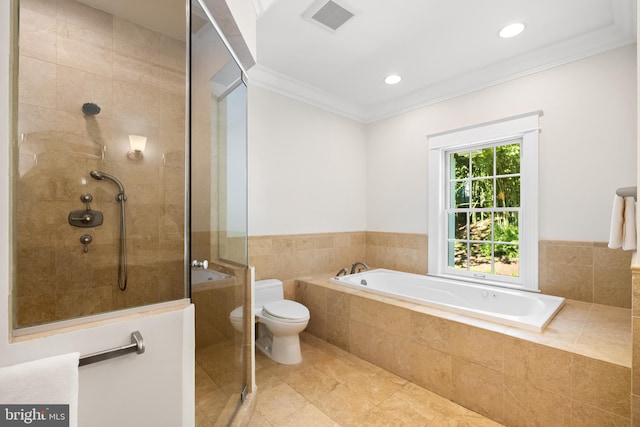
x,y
359,266
342,272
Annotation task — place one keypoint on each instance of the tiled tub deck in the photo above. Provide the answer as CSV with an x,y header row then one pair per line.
x,y
576,373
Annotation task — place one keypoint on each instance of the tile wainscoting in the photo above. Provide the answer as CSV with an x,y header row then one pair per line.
x,y
585,271
582,271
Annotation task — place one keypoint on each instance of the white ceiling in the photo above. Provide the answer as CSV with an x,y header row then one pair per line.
x,y
440,48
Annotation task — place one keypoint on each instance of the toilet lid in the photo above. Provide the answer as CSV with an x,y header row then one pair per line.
x,y
286,309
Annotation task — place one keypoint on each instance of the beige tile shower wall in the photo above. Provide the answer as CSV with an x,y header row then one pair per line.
x,y
201,247
583,271
71,54
510,380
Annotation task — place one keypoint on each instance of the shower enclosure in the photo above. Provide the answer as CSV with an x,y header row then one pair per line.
x,y
117,188
90,79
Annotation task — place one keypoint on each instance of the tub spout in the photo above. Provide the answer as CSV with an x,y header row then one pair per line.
x,y
342,272
359,266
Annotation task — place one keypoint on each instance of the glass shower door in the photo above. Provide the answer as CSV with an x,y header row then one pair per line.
x,y
218,220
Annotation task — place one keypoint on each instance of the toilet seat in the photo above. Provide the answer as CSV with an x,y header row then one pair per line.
x,y
286,311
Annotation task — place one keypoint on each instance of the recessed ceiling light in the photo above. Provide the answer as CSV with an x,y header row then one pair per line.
x,y
392,79
511,30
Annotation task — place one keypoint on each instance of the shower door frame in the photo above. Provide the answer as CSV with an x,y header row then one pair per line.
x,y
213,9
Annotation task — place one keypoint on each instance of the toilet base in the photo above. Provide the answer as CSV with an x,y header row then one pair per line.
x,y
284,350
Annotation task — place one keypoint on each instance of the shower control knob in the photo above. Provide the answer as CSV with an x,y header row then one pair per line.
x,y
86,198
85,239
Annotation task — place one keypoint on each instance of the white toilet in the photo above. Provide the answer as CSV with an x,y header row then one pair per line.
x,y
280,322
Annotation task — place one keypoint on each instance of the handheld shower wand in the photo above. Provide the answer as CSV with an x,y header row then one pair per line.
x,y
121,198
103,175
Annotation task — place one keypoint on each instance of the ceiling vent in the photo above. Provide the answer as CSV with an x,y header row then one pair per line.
x,y
328,14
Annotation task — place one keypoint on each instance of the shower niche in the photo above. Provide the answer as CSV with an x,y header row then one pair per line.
x,y
100,106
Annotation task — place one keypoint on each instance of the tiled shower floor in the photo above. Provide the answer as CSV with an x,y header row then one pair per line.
x,y
334,388
217,384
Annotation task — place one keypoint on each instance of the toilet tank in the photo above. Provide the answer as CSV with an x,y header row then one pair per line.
x,y
267,291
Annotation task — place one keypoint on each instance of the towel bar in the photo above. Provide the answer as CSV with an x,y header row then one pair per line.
x,y
628,192
137,346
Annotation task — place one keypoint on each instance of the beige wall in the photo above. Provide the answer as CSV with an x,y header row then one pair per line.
x,y
583,271
71,54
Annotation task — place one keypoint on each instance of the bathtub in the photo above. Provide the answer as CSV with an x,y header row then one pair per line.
x,y
525,310
209,279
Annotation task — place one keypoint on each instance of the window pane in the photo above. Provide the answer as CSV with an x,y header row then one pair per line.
x,y
506,227
480,226
508,192
482,193
480,238
508,159
458,226
480,259
458,255
482,162
507,260
484,181
459,194
459,165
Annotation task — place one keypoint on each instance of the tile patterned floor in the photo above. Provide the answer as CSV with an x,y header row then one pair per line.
x,y
217,383
334,388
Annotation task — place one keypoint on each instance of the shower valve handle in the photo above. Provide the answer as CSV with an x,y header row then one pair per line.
x,y
84,218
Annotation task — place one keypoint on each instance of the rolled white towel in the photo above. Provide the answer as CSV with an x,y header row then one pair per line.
x,y
616,235
630,233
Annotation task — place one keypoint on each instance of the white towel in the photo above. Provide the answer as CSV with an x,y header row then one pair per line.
x,y
617,223
53,380
623,232
630,234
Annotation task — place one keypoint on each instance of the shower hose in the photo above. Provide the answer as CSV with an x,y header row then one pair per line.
x,y
122,256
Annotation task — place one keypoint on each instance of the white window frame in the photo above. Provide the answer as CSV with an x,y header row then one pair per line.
x,y
524,127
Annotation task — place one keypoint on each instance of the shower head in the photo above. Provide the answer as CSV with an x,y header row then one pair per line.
x,y
95,174
90,109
